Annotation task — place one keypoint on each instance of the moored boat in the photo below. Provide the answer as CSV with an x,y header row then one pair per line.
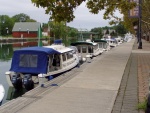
x,y
36,65
119,40
87,49
75,52
102,44
112,42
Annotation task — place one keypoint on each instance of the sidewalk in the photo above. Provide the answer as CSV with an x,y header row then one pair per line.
x,y
92,88
134,86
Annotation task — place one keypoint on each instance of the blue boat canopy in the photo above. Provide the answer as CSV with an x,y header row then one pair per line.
x,y
31,60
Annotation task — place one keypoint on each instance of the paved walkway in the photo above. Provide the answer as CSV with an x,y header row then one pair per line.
x,y
93,88
134,85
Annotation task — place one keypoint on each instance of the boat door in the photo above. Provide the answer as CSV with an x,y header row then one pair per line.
x,y
54,62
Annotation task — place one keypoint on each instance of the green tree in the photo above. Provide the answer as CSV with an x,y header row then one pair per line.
x,y
72,32
107,31
6,25
59,10
120,29
22,18
58,28
62,10
98,30
113,33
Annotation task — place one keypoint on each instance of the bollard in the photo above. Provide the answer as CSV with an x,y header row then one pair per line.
x,y
41,78
148,105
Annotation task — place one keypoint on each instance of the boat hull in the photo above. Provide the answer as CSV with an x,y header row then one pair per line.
x,y
2,93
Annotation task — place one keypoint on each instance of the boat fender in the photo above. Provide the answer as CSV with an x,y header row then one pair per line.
x,y
83,59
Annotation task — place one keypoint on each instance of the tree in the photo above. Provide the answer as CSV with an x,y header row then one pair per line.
x,y
113,33
107,31
120,29
58,28
62,10
98,30
22,18
6,25
72,32
59,10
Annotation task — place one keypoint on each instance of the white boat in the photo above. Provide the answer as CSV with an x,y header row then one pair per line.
x,y
87,49
2,93
128,37
36,65
102,44
112,42
75,52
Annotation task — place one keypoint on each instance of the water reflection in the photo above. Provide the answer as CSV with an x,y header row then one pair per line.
x,y
13,93
6,52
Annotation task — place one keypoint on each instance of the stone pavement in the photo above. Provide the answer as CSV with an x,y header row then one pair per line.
x,y
134,86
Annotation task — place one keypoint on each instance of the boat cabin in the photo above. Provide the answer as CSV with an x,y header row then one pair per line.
x,y
102,44
112,42
87,49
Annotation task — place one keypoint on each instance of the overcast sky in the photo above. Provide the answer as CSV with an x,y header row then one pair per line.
x,y
83,20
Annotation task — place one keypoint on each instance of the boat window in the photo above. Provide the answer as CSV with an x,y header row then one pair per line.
x,y
78,49
69,55
83,49
56,60
96,47
64,57
100,45
28,60
90,50
105,46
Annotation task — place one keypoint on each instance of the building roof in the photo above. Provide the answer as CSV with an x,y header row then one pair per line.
x,y
26,26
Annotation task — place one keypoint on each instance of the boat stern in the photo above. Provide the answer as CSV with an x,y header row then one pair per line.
x,y
8,75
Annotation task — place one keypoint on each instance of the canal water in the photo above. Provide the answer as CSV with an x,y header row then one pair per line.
x,y
6,52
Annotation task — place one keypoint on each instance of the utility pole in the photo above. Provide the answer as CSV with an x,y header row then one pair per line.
x,y
139,26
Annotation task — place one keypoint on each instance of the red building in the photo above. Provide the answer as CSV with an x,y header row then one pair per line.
x,y
26,30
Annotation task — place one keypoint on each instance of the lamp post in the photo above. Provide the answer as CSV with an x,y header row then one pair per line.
x,y
139,30
49,29
39,35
